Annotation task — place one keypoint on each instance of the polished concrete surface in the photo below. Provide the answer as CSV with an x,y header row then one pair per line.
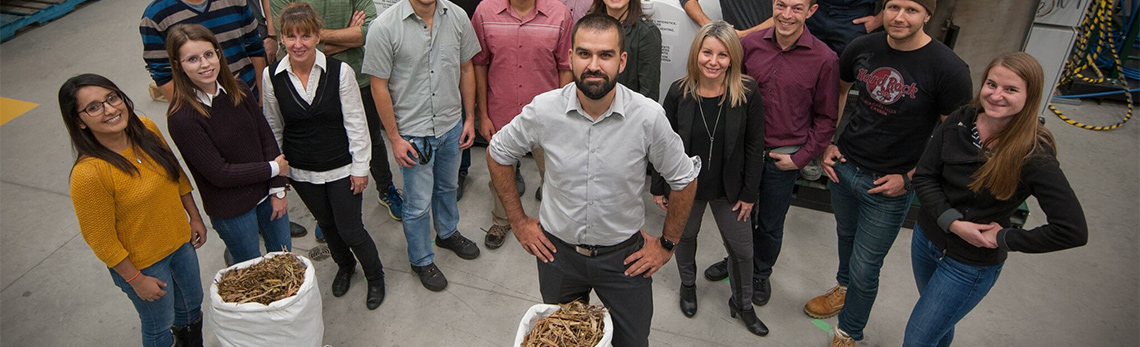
x,y
54,292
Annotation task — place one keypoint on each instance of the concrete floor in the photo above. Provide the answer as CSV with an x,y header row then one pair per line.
x,y
56,293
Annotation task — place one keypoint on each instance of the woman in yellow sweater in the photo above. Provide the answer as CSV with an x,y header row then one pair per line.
x,y
133,201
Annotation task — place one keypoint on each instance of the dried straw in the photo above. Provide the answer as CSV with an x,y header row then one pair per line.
x,y
574,325
272,279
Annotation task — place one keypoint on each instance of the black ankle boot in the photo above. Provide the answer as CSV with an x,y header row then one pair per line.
x,y
188,335
375,294
689,300
748,315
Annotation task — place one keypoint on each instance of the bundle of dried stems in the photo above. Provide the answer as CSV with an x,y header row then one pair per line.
x,y
574,324
272,279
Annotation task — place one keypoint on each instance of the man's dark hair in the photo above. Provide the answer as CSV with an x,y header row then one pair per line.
x,y
599,22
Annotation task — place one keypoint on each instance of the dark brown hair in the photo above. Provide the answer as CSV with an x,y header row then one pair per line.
x,y
85,143
632,13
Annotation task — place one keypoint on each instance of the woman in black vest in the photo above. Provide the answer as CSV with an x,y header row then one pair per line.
x,y
717,111
313,105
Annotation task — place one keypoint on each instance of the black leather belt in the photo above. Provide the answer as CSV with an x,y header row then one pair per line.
x,y
594,251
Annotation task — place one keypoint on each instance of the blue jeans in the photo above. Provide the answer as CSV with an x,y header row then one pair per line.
x,y
465,163
182,303
867,225
240,233
948,290
768,217
431,186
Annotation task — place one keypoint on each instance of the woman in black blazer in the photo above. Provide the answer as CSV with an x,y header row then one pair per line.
x,y
717,112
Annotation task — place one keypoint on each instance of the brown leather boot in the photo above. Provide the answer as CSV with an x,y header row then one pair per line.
x,y
827,305
841,339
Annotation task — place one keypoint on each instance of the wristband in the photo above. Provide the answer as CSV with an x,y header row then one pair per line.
x,y
135,276
274,37
906,183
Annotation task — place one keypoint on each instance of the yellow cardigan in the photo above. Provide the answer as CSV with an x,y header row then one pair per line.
x,y
121,216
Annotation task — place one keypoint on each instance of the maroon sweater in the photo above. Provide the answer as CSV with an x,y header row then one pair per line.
x,y
228,154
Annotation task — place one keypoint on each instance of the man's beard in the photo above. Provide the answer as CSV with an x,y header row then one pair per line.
x,y
594,90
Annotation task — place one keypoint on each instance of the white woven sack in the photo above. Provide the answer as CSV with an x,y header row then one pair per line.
x,y
292,321
540,311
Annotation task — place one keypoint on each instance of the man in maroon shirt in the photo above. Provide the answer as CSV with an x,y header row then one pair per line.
x,y
525,52
799,82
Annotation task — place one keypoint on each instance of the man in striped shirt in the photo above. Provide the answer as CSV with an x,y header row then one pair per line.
x,y
231,21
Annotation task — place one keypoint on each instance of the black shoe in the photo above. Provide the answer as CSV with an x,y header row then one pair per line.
x,y
462,187
761,291
296,230
717,271
375,294
342,281
430,277
462,247
519,182
496,236
538,193
188,335
748,315
689,300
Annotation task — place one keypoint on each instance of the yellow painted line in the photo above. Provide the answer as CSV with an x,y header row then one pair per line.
x,y
12,108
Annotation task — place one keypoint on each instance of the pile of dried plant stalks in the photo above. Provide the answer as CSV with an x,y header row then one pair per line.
x,y
270,280
575,324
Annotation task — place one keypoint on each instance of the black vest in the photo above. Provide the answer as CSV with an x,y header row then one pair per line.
x,y
314,137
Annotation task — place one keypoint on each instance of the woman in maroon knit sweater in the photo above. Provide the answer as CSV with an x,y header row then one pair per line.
x,y
228,146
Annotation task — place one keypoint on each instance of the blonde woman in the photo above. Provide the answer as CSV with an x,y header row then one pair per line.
x,y
716,110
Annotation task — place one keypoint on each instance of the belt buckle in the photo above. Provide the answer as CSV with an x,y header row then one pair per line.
x,y
586,251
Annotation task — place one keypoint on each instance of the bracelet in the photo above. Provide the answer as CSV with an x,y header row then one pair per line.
x,y
135,276
274,37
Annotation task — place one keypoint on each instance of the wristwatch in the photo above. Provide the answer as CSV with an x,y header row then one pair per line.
x,y
280,194
906,183
668,245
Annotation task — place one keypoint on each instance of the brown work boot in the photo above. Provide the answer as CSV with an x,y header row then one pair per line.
x,y
496,236
827,305
841,339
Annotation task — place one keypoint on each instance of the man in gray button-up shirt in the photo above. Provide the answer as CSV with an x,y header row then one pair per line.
x,y
418,53
598,136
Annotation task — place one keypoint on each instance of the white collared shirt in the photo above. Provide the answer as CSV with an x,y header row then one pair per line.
x,y
355,123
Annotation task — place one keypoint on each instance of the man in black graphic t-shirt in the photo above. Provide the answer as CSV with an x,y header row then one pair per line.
x,y
907,83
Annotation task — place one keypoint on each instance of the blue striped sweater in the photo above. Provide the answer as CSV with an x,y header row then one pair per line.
x,y
231,21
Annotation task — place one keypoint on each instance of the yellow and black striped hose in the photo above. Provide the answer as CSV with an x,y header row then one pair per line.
x,y
1097,20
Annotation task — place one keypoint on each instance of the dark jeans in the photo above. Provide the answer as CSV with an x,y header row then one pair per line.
x,y
182,303
465,162
379,164
737,236
768,216
240,233
337,211
948,290
571,276
867,225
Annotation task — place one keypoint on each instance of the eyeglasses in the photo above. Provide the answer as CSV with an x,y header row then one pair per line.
x,y
211,55
99,109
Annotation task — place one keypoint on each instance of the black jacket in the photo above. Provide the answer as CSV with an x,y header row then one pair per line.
x,y
744,142
942,181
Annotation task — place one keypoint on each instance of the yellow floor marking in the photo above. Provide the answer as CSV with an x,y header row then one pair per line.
x,y
12,108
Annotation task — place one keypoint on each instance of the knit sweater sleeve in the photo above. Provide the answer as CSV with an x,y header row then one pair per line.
x,y
191,132
269,148
92,195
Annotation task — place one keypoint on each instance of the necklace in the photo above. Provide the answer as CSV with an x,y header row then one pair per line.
x,y
705,122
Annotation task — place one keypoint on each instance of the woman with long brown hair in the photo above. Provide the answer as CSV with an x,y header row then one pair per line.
x,y
642,45
134,208
224,138
978,167
716,109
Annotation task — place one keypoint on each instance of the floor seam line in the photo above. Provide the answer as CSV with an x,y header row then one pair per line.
x,y
35,188
39,263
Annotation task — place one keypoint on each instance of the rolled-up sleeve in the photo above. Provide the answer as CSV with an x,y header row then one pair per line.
x,y
667,154
515,139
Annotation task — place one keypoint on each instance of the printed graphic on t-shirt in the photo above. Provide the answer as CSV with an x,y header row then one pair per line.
x,y
886,85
